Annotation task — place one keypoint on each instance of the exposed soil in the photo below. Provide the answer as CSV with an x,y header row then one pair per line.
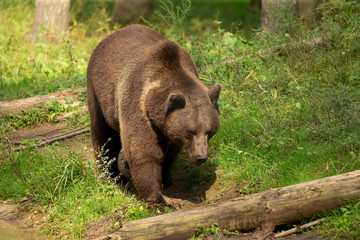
x,y
17,223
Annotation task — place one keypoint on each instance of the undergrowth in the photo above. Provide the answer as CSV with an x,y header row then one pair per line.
x,y
342,223
288,115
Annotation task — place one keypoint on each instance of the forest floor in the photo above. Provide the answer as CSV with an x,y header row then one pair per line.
x,y
19,221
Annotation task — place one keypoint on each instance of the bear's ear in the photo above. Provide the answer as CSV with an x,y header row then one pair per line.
x,y
167,53
175,101
214,93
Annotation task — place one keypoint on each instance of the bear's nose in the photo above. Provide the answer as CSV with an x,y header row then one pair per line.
x,y
202,158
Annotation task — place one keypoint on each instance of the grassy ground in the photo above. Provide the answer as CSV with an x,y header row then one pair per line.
x,y
287,117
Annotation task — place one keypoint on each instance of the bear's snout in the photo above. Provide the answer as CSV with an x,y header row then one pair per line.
x,y
198,149
202,158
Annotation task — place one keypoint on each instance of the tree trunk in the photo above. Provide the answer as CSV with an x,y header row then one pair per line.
x,y
272,12
254,5
307,8
51,20
16,106
268,209
126,11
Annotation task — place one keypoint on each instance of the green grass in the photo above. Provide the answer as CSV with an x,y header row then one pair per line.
x,y
67,188
286,117
31,69
342,223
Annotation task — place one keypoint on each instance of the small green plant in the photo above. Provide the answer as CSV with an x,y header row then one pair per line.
x,y
174,16
104,164
202,232
27,118
53,110
117,225
137,210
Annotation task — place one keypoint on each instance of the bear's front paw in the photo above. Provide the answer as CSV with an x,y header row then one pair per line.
x,y
155,197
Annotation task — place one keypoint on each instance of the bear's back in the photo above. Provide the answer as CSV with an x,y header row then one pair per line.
x,y
129,42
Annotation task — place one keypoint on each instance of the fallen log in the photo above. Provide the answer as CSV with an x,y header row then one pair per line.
x,y
16,106
68,115
286,205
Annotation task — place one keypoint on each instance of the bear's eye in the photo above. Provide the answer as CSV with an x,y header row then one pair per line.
x,y
190,133
209,133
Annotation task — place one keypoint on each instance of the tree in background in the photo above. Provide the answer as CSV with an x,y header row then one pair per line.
x,y
126,11
51,20
272,11
307,8
254,5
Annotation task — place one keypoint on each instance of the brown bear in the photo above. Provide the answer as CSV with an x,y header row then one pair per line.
x,y
144,94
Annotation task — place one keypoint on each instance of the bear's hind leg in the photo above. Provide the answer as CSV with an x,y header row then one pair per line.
x,y
107,146
106,141
171,152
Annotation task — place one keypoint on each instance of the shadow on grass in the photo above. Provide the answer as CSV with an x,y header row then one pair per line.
x,y
190,182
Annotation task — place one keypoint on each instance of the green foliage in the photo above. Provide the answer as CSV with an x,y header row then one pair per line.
x,y
203,232
66,187
343,223
27,118
27,69
176,15
90,18
45,180
291,115
33,117
25,75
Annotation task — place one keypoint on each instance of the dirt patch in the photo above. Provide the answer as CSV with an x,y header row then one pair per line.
x,y
103,226
37,133
18,225
80,144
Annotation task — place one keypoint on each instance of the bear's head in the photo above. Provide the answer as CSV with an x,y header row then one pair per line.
x,y
191,120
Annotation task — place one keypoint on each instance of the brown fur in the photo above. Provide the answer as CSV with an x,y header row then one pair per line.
x,y
144,93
